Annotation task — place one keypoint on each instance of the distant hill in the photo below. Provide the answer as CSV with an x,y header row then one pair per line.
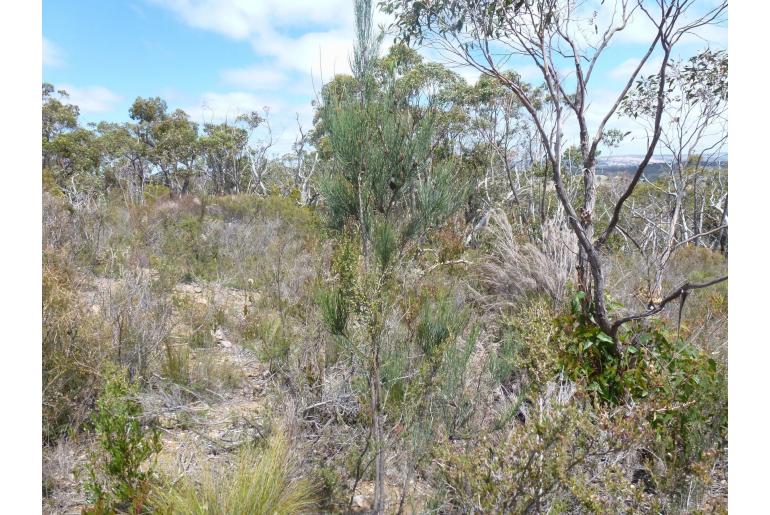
x,y
627,164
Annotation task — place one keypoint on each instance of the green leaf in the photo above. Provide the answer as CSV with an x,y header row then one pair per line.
x,y
603,337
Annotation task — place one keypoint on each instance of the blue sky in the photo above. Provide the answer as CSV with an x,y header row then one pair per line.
x,y
216,58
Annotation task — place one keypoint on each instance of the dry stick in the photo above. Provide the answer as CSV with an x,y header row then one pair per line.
x,y
358,467
677,293
442,263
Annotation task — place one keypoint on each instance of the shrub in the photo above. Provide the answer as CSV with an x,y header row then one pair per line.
x,y
212,374
141,320
116,479
559,461
73,347
526,354
684,388
272,341
262,481
154,192
177,365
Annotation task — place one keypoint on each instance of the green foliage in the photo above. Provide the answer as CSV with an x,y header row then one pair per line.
x,y
188,252
116,479
334,310
438,323
262,481
457,391
270,339
383,177
58,117
526,353
588,355
684,386
177,365
384,243
344,298
272,207
155,192
543,466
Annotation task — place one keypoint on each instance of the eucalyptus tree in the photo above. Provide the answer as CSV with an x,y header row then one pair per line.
x,y
554,36
385,185
256,153
176,149
58,116
68,149
693,134
499,132
224,148
303,162
124,159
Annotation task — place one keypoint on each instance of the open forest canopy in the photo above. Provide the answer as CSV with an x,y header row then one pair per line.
x,y
431,304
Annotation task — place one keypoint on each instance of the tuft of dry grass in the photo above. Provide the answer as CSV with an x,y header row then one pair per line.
x,y
515,270
261,481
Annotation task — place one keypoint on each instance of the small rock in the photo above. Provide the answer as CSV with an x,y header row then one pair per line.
x,y
360,502
225,344
198,289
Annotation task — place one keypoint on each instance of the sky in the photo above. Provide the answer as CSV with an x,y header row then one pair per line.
x,y
218,58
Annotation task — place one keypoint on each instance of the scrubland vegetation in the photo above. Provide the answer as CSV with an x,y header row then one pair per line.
x,y
419,310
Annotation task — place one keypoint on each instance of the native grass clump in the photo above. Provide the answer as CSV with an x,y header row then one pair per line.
x,y
429,305
261,480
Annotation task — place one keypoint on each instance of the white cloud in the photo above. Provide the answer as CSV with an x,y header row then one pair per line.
x,y
53,56
302,43
218,107
214,107
307,36
641,30
469,73
243,19
92,99
256,77
624,70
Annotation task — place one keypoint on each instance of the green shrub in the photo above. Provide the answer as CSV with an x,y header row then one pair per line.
x,y
116,479
155,192
526,351
684,388
439,321
261,482
271,207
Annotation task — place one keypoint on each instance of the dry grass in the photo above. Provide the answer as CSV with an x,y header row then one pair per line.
x,y
140,320
260,482
516,270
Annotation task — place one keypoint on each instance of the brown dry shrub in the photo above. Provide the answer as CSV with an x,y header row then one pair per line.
x,y
563,459
73,348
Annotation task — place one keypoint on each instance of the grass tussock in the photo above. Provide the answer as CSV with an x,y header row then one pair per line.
x,y
516,269
260,481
